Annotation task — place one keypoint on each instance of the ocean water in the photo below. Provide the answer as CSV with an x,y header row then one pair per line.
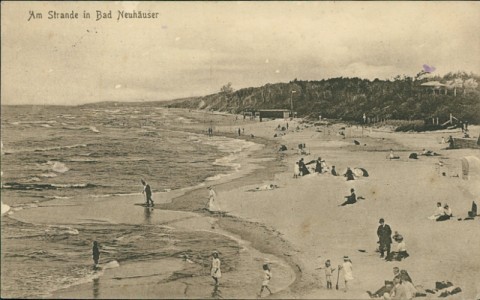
x,y
61,154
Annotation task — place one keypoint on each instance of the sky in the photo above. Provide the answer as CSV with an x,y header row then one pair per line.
x,y
194,48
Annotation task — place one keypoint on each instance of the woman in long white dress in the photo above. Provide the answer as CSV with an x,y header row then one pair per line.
x,y
347,271
212,200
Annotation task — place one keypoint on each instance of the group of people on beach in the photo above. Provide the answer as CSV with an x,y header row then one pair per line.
x,y
384,233
400,287
441,213
347,269
320,167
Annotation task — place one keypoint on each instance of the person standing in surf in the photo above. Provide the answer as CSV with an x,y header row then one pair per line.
x,y
148,192
215,271
95,254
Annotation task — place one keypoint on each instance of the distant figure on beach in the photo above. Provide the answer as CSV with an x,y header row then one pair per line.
x,y
351,199
392,155
443,140
438,211
303,168
334,172
347,268
328,273
265,187
318,166
243,130
349,174
95,254
447,214
239,132
451,143
267,275
287,125
215,271
384,234
296,170
212,200
473,213
148,192
429,153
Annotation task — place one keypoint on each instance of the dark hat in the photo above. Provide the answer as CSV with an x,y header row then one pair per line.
x,y
351,190
381,220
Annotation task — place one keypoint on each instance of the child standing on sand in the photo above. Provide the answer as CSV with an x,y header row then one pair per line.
x,y
296,170
267,275
328,274
347,271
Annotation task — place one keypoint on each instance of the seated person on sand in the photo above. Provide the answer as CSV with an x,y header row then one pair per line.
x,y
265,187
334,172
387,288
349,174
438,211
402,289
401,251
451,143
351,199
392,155
472,213
429,153
324,165
447,214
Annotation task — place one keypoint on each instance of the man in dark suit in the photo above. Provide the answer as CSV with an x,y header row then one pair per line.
x,y
384,236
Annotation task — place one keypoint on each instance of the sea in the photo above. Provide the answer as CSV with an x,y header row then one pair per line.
x,y
65,154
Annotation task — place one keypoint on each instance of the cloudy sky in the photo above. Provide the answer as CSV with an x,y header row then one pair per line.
x,y
194,48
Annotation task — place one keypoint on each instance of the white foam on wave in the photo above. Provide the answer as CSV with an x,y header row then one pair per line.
x,y
237,149
58,167
66,185
48,175
5,208
94,129
61,230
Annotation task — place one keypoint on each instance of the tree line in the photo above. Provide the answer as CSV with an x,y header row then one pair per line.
x,y
348,99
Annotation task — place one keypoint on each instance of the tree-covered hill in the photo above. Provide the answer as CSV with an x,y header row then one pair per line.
x,y
403,98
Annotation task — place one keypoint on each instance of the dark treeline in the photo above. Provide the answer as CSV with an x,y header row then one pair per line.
x,y
402,98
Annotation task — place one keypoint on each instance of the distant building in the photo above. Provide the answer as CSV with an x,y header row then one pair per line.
x,y
274,114
435,87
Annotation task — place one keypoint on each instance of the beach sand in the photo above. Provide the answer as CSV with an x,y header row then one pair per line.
x,y
300,224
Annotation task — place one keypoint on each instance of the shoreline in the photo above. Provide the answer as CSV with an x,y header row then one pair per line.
x,y
229,226
248,219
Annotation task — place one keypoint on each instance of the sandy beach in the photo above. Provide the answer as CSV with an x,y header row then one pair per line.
x,y
300,224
